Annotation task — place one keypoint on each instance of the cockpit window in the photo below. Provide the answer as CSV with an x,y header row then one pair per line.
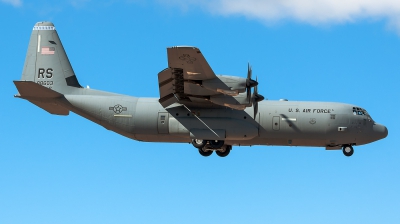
x,y
361,111
358,111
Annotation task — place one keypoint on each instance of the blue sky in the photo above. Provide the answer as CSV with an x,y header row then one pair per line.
x,y
56,169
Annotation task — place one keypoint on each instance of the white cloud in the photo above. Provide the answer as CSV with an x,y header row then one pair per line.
x,y
315,12
15,3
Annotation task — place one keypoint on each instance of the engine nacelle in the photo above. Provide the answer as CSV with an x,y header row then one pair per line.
x,y
227,85
239,102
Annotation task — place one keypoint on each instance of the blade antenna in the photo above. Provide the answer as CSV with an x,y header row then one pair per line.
x,y
197,117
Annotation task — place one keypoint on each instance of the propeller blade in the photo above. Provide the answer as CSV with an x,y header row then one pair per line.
x,y
255,109
248,89
249,71
257,97
256,87
250,82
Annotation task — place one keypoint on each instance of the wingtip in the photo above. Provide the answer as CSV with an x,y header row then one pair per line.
x,y
184,46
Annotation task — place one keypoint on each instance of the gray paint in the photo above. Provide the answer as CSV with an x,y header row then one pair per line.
x,y
286,123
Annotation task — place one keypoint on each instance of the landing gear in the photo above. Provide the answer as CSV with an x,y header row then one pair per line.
x,y
207,147
199,143
216,144
224,151
205,152
348,150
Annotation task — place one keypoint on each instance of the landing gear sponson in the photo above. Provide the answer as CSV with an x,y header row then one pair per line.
x,y
207,147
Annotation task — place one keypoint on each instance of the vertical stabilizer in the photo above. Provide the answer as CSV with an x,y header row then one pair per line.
x,y
46,62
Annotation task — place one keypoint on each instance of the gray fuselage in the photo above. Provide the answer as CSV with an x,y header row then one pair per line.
x,y
286,123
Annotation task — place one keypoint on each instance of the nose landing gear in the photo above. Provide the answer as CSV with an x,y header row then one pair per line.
x,y
348,150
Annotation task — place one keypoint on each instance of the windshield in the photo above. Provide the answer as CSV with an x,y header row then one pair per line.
x,y
361,111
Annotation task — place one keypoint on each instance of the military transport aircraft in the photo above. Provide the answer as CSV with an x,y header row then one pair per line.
x,y
213,112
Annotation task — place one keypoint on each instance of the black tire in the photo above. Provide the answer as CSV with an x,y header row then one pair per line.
x,y
224,153
199,143
205,153
348,150
216,144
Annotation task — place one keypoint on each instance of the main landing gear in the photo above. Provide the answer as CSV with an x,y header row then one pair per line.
x,y
207,147
348,150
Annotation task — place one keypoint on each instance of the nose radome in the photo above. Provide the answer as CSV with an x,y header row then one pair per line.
x,y
386,132
381,130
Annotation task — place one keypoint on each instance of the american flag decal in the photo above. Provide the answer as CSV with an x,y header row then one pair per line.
x,y
48,50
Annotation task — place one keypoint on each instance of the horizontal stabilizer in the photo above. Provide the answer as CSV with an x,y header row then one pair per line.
x,y
52,108
29,89
41,96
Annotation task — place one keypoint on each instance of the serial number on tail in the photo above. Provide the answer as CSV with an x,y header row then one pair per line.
x,y
45,83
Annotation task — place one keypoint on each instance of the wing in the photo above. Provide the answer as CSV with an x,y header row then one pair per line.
x,y
189,80
191,61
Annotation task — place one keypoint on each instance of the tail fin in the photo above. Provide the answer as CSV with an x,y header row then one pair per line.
x,y
46,62
47,73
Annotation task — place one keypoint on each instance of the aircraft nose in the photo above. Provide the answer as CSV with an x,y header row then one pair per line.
x,y
380,130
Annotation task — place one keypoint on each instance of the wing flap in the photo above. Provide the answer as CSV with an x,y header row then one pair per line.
x,y
197,90
165,82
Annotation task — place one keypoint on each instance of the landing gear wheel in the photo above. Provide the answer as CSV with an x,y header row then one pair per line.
x,y
199,143
216,144
348,150
205,153
224,151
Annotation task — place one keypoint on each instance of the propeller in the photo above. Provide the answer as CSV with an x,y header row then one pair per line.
x,y
250,82
256,98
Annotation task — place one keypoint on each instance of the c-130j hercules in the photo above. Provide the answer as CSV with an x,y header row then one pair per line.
x,y
213,112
